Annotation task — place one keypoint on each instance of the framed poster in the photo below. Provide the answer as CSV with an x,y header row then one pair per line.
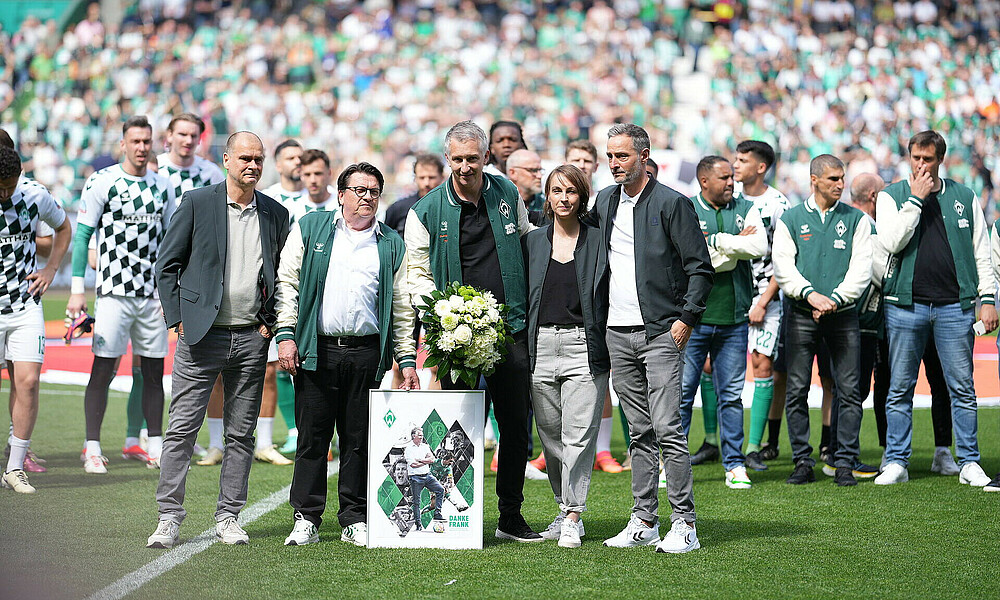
x,y
428,444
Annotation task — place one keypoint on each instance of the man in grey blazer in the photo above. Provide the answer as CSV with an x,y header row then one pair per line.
x,y
215,274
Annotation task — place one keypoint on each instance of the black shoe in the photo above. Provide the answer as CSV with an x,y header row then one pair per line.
x,y
769,452
993,486
515,528
863,471
803,473
844,477
753,461
706,454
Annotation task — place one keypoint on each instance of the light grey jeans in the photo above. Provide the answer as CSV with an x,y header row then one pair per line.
x,y
568,402
648,383
240,355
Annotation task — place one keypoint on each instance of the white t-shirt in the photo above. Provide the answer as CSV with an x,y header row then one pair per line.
x,y
624,295
413,454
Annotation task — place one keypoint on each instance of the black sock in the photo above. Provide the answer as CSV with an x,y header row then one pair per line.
x,y
824,439
152,394
773,432
95,398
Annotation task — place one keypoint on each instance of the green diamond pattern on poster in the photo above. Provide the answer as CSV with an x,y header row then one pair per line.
x,y
466,485
389,496
434,430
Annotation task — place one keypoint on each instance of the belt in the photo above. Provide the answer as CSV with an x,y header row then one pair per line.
x,y
349,341
627,328
236,327
562,327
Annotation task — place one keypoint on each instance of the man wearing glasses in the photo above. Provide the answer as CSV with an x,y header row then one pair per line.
x,y
524,168
343,308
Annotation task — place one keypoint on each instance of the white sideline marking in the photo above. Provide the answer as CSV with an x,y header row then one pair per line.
x,y
181,554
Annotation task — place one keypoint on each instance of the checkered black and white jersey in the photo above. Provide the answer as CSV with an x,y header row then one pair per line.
x,y
130,215
303,206
30,206
771,205
292,201
184,179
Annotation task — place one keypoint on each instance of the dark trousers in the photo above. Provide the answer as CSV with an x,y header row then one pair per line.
x,y
510,387
842,337
335,395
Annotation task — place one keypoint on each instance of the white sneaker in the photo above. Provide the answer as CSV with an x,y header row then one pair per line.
x,y
885,462
569,534
554,530
95,464
973,475
636,533
944,462
356,534
165,536
228,531
17,480
681,538
737,478
304,532
892,473
663,478
532,472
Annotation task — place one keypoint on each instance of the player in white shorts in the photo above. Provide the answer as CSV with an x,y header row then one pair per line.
x,y
129,205
24,203
753,159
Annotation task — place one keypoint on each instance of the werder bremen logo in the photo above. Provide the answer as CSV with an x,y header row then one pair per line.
x,y
389,418
959,208
841,228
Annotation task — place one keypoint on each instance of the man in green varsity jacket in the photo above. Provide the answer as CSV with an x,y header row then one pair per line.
x,y
939,265
823,259
735,235
343,307
468,229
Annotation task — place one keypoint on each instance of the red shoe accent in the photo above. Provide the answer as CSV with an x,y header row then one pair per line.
x,y
33,467
607,463
493,463
539,463
135,453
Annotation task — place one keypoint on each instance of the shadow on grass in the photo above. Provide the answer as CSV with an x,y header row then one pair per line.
x,y
726,531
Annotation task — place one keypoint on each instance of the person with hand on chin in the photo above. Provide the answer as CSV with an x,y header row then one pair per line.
x,y
344,313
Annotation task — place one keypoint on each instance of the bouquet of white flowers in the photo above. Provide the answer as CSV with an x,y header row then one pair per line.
x,y
466,333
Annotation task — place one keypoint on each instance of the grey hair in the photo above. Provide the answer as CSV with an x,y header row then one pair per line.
x,y
464,131
823,162
640,139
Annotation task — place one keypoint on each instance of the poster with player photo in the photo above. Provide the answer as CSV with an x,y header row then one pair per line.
x,y
425,476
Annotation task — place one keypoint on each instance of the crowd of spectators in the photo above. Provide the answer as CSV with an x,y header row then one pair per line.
x,y
382,80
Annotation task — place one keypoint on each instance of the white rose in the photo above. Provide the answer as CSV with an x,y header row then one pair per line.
x,y
463,335
442,308
449,321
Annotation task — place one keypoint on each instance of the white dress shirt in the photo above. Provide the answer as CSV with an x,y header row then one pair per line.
x,y
350,295
624,296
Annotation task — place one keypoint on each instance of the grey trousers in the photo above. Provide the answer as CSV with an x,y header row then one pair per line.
x,y
240,355
568,402
648,383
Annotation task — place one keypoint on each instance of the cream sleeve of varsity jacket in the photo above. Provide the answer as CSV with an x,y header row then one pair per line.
x,y
726,249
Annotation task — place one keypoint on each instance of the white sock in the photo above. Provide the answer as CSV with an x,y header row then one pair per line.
x,y
18,450
131,441
144,433
215,427
293,432
10,434
94,448
155,446
265,426
604,435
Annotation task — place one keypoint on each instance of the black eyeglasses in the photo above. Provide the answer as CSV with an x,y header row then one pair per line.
x,y
361,191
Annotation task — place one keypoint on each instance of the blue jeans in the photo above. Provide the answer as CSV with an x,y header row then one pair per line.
x,y
417,485
727,345
909,329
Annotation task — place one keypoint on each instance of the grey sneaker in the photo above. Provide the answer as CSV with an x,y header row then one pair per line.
x,y
356,534
165,536
228,531
554,530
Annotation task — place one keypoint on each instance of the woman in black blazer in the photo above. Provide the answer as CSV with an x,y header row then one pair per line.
x,y
569,358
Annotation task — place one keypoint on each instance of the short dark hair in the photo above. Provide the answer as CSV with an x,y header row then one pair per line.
x,y
429,160
10,162
312,155
762,150
585,145
708,163
361,167
640,139
929,138
136,121
577,179
498,125
285,144
232,140
190,118
5,139
823,162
